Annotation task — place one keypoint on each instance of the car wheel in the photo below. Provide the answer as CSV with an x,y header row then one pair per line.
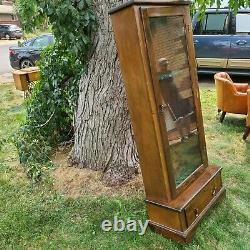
x,y
7,37
26,63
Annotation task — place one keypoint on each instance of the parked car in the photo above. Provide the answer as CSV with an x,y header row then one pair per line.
x,y
222,41
10,31
28,53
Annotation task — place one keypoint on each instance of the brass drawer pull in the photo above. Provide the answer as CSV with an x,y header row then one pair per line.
x,y
196,211
214,191
162,107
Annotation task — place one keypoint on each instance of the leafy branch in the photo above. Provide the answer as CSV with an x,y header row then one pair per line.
x,y
51,106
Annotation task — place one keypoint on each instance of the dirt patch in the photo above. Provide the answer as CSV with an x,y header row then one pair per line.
x,y
74,182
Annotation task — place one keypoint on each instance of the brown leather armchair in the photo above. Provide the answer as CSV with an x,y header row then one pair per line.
x,y
231,97
248,117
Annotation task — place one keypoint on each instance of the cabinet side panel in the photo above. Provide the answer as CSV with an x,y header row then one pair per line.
x,y
134,76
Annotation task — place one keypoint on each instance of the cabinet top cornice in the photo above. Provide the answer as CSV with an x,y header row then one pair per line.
x,y
147,2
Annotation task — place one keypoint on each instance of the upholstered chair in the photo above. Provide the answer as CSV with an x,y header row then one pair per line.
x,y
231,97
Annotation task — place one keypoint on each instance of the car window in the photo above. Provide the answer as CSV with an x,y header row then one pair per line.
x,y
216,23
196,24
41,42
27,43
242,23
4,27
13,27
52,40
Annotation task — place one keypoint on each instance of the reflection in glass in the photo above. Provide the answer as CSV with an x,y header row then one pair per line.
x,y
178,110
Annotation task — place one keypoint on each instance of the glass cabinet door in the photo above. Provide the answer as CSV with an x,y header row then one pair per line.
x,y
168,55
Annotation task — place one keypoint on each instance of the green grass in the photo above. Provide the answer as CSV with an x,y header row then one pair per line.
x,y
183,164
39,218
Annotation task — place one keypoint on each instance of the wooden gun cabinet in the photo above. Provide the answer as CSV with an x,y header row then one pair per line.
x,y
155,48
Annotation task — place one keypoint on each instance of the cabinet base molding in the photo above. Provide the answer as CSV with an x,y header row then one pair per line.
x,y
179,219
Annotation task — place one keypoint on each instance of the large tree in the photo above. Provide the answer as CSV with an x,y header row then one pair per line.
x,y
103,135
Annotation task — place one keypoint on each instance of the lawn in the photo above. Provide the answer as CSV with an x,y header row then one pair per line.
x,y
37,217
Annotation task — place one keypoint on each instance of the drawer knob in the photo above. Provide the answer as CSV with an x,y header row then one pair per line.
x,y
196,212
162,107
214,191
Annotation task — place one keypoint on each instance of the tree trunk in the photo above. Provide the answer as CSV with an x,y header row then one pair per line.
x,y
103,135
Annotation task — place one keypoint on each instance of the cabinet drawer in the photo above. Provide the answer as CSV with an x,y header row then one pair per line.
x,y
202,199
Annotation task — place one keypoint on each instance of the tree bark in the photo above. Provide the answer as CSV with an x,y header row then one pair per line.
x,y
103,135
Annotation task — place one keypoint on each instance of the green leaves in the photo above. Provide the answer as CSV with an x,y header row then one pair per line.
x,y
81,4
52,104
30,14
202,5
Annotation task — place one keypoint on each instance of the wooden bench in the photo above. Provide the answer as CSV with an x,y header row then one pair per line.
x,y
24,77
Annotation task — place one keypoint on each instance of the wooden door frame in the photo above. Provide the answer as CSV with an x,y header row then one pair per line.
x,y
146,13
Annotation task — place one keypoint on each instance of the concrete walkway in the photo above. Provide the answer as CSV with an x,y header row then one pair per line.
x,y
6,78
5,68
9,42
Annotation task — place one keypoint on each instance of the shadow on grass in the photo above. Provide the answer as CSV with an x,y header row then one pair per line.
x,y
233,123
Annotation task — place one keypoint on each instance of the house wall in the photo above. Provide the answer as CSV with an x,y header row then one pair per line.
x,y
6,2
7,15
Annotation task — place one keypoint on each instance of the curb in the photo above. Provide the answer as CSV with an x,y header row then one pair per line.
x,y
9,42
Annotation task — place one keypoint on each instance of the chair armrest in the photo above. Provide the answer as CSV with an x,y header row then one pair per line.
x,y
237,103
241,87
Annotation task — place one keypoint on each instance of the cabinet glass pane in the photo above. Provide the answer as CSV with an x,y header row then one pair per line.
x,y
177,107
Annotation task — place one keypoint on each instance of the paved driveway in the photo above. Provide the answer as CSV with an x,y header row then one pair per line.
x,y
206,81
4,59
5,68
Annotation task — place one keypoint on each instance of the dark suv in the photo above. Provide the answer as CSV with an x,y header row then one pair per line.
x,y
10,31
222,41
